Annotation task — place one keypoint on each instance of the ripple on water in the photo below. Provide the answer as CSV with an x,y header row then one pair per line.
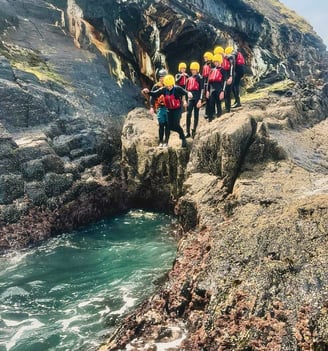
x,y
64,294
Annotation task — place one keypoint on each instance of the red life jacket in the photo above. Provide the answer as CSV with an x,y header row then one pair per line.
x,y
226,64
171,102
215,75
240,60
192,84
206,70
182,80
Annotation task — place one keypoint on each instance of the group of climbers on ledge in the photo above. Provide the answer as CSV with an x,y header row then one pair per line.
x,y
221,74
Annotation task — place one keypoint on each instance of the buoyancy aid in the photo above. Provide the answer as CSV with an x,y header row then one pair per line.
x,y
192,84
206,70
240,60
226,64
172,102
215,75
181,79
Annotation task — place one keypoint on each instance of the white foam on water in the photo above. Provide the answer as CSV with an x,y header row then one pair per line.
x,y
59,287
142,214
91,301
33,325
128,301
67,322
105,311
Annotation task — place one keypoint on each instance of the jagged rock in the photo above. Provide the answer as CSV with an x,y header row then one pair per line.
x,y
56,184
11,188
249,261
154,176
36,192
33,170
248,184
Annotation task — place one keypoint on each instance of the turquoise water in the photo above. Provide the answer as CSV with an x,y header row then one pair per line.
x,y
67,293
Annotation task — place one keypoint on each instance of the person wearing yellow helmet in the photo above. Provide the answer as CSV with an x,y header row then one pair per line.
x,y
207,56
228,65
218,50
173,101
228,50
158,107
182,76
216,87
195,86
239,73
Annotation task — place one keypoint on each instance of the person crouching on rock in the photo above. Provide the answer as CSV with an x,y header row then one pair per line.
x,y
173,101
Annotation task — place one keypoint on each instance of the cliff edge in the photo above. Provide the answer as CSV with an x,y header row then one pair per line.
x,y
250,272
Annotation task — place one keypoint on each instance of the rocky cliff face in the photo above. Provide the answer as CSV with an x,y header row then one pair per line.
x,y
250,190
138,35
250,272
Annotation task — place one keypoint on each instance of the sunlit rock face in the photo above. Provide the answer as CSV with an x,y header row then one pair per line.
x,y
141,35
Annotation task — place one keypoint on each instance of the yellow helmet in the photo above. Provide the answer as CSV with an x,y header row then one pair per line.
x,y
208,55
194,65
228,50
218,50
181,65
217,58
168,80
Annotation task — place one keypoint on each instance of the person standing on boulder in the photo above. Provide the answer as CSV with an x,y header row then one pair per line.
x,y
239,73
215,94
195,86
158,107
182,76
173,101
229,66
207,56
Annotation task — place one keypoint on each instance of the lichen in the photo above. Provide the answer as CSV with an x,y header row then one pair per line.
x,y
30,61
265,92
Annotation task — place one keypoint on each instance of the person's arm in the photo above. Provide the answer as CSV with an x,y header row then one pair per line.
x,y
153,93
232,65
182,92
152,99
201,91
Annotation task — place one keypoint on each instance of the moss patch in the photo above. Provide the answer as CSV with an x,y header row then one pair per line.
x,y
30,61
273,88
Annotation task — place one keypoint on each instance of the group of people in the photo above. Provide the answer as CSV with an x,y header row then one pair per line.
x,y
220,78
